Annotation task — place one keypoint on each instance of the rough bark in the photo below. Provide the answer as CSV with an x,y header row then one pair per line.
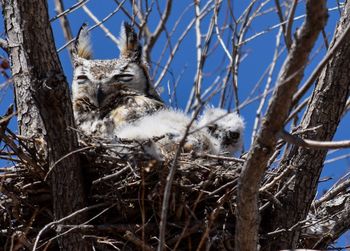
x,y
43,101
325,108
291,73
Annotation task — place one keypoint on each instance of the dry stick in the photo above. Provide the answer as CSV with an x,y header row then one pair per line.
x,y
275,27
143,22
280,192
70,10
67,31
4,120
129,16
297,110
136,241
332,193
202,55
169,183
313,144
341,224
195,204
344,156
104,28
277,112
77,226
236,62
152,38
199,73
63,219
212,218
168,41
283,174
319,67
66,156
283,22
288,31
216,12
324,35
267,86
107,177
179,41
99,23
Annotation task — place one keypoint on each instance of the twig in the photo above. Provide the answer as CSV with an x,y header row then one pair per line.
x,y
169,183
70,10
267,86
139,243
288,31
98,23
332,193
320,66
66,156
63,219
67,31
107,177
313,144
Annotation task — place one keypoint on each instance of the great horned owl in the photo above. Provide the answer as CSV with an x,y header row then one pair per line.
x,y
226,127
111,92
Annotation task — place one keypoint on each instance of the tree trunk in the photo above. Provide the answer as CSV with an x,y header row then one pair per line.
x,y
43,101
324,112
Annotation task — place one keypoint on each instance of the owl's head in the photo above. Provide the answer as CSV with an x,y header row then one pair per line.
x,y
100,78
227,127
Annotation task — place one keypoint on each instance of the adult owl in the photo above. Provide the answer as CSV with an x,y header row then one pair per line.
x,y
108,93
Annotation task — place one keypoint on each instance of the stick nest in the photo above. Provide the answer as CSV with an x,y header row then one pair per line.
x,y
126,191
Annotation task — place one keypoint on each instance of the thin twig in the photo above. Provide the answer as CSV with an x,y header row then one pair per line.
x,y
169,183
313,144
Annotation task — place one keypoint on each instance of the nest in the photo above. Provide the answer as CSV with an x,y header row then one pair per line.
x,y
126,192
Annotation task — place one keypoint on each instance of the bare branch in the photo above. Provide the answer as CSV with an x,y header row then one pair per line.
x,y
259,154
288,35
314,144
100,23
67,31
321,65
152,38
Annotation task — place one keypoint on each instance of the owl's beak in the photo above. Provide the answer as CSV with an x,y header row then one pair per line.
x,y
100,95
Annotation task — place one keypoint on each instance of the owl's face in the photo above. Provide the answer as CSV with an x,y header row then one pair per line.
x,y
101,80
226,127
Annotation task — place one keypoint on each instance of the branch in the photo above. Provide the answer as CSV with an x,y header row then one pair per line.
x,y
259,154
325,108
66,28
288,35
335,47
314,144
152,37
43,104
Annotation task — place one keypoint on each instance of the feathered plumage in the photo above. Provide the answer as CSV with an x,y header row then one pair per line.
x,y
167,127
227,128
128,43
117,90
82,46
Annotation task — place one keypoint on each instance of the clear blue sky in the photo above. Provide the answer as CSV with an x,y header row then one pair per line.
x,y
258,54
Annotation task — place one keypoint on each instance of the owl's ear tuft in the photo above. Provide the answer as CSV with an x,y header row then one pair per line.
x,y
128,43
82,46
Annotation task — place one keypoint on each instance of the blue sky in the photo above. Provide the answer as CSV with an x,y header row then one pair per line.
x,y
258,54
